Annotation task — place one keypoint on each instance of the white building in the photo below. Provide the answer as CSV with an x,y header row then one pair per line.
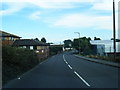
x,y
108,45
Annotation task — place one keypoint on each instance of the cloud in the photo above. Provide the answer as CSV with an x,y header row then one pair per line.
x,y
47,1
82,21
12,8
35,15
105,5
55,4
69,20
50,3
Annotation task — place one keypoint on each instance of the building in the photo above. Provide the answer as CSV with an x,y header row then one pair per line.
x,y
7,38
108,45
98,49
41,48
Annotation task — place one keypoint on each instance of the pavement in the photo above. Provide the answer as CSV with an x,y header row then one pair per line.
x,y
113,64
67,71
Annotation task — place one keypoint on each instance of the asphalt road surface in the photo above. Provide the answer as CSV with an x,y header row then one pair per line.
x,y
67,71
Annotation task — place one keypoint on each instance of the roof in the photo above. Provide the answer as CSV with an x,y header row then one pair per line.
x,y
5,34
29,42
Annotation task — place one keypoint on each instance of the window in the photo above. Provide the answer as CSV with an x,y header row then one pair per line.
x,y
31,47
24,46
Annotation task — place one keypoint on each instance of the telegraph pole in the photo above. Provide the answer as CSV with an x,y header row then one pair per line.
x,y
114,32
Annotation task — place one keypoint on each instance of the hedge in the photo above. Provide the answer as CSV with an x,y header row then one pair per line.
x,y
16,61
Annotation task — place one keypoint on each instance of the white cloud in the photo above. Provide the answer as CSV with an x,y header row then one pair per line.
x,y
50,3
55,4
35,15
73,20
105,5
47,1
82,21
12,8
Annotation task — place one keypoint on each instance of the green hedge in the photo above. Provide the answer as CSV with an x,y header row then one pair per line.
x,y
16,61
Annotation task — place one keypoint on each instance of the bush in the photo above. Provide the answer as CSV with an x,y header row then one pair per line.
x,y
16,61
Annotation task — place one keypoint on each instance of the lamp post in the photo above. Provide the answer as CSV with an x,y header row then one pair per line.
x,y
114,33
79,40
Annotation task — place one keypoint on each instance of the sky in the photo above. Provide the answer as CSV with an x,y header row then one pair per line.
x,y
57,20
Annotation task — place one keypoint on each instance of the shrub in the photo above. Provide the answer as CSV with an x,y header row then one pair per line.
x,y
16,61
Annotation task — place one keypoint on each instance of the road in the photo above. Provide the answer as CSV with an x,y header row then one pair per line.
x,y
67,71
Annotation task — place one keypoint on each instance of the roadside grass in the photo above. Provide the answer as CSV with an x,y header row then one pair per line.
x,y
106,58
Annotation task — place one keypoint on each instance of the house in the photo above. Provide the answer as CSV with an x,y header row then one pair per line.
x,y
41,48
7,38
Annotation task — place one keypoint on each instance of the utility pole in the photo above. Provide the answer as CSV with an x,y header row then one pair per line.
x,y
114,32
78,40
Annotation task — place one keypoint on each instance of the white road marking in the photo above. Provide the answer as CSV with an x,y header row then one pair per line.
x,y
69,66
76,72
19,78
66,62
82,79
64,58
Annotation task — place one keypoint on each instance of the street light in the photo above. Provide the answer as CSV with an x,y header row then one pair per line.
x,y
79,40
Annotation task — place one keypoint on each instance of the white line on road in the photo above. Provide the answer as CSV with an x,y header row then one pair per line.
x,y
69,66
82,79
66,62
64,58
19,78
76,72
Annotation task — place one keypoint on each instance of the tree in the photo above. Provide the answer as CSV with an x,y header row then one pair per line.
x,y
89,38
95,38
85,46
43,40
68,43
36,39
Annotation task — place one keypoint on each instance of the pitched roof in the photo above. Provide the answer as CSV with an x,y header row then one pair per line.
x,y
5,34
29,42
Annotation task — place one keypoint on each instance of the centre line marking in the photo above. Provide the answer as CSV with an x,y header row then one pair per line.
x,y
66,62
69,66
76,73
82,79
